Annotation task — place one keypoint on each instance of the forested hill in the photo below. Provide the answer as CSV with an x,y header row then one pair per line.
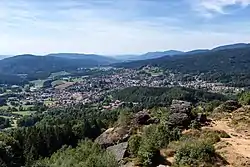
x,y
151,97
24,64
230,66
227,60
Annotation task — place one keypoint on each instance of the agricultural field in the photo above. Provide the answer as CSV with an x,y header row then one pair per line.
x,y
24,113
38,83
65,85
57,83
56,74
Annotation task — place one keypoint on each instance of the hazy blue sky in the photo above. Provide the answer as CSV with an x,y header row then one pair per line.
x,y
120,26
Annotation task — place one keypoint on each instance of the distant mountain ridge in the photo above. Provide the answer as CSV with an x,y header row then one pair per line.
x,y
3,57
228,58
94,57
234,59
32,64
150,55
232,46
158,54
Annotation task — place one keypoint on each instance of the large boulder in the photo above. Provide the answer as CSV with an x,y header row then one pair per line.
x,y
113,136
119,150
180,114
181,120
179,106
201,118
142,118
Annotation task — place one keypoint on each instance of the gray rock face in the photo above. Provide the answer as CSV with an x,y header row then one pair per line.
x,y
179,106
113,136
180,113
179,119
141,118
202,118
119,150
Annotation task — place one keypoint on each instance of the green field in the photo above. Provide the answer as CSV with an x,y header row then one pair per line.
x,y
77,79
57,83
38,83
24,113
25,107
6,117
4,107
56,74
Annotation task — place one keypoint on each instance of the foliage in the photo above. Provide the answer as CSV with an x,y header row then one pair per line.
x,y
43,133
195,153
4,123
195,124
230,66
86,154
152,97
10,153
154,138
134,144
244,98
125,117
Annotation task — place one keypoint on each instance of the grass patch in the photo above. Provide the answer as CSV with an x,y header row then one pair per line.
x,y
4,107
195,153
38,83
6,117
57,74
57,83
24,113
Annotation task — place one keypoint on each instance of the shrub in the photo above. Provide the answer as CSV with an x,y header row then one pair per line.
x,y
195,153
147,152
195,124
87,154
124,117
154,138
134,144
244,98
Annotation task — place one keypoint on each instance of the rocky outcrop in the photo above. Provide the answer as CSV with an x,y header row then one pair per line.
x,y
141,118
179,106
180,114
119,150
201,118
117,135
113,136
228,106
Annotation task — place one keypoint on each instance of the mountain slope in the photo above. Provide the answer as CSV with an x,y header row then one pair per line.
x,y
150,55
93,57
232,46
26,64
226,60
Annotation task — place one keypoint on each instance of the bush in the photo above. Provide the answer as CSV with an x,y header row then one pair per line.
x,y
124,117
195,153
205,135
244,98
195,125
87,154
134,144
154,138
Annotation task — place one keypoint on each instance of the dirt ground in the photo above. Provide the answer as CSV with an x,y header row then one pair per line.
x,y
236,149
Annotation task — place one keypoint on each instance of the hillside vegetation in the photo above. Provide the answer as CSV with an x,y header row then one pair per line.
x,y
230,66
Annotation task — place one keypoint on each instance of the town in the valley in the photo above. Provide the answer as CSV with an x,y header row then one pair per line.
x,y
62,89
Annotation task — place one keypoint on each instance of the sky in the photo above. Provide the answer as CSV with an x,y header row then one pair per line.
x,y
115,27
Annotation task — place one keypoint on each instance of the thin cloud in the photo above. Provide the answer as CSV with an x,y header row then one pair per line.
x,y
209,8
107,27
